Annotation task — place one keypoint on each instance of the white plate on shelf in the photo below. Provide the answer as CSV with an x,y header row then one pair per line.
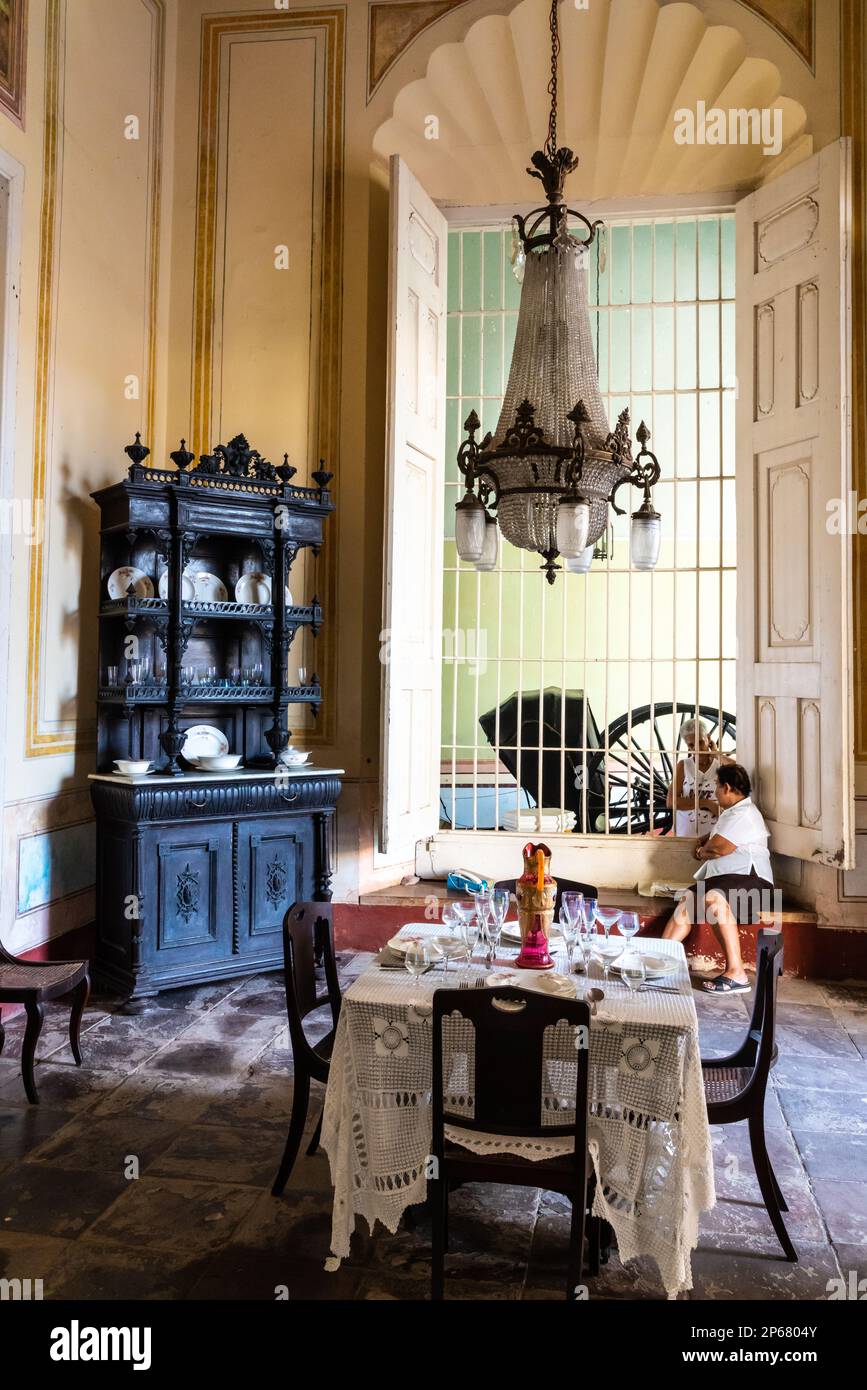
x,y
188,588
204,741
254,587
120,580
290,602
209,589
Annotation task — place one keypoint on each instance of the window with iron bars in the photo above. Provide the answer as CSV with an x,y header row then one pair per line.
x,y
567,707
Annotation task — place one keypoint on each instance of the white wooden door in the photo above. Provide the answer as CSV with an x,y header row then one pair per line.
x,y
795,722
413,561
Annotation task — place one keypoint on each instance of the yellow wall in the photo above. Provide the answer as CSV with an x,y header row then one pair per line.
x,y
156,258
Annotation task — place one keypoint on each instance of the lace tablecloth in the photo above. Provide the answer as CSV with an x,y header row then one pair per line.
x,y
648,1133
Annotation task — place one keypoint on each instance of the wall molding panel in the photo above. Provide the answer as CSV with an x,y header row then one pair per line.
x,y
320,37
63,735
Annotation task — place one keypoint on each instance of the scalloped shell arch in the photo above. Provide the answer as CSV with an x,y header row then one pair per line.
x,y
468,127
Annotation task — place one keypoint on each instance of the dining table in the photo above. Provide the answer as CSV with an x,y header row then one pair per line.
x,y
648,1134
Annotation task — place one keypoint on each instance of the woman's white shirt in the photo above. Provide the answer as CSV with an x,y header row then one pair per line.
x,y
743,824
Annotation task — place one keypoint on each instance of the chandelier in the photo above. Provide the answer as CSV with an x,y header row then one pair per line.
x,y
548,473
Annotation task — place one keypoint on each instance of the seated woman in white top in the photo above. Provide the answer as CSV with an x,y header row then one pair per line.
x,y
692,794
734,879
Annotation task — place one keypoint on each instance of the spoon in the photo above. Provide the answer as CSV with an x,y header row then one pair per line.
x,y
594,997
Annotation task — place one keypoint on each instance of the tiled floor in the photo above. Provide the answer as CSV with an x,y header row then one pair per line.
x,y
146,1173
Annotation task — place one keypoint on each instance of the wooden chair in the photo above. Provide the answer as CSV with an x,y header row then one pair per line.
x,y
509,1027
735,1086
307,935
564,885
31,983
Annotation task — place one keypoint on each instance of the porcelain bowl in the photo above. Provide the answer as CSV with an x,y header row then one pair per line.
x,y
293,757
132,767
219,762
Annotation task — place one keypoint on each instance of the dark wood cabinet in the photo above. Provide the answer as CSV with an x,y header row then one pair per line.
x,y
196,869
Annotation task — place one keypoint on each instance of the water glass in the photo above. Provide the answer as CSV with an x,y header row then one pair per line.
x,y
569,930
632,971
572,904
451,917
111,675
628,924
450,946
417,958
499,907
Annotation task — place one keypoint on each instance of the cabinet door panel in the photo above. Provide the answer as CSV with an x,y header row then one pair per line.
x,y
194,892
275,868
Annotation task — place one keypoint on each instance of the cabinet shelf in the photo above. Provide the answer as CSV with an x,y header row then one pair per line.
x,y
298,615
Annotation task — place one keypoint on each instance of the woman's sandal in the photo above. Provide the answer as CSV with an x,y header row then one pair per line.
x,y
724,984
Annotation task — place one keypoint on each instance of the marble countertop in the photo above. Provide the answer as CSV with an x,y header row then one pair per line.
x,y
240,774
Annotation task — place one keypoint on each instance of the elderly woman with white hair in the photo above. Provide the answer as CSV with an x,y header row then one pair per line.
x,y
692,795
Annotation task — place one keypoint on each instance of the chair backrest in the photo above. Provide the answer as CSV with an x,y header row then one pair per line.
x,y
307,936
769,952
564,885
766,940
496,1055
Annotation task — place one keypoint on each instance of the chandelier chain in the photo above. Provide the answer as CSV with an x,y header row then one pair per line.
x,y
551,143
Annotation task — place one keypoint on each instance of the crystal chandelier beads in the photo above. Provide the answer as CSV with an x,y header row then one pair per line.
x,y
553,465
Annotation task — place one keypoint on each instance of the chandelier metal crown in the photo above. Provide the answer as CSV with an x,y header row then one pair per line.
x,y
552,467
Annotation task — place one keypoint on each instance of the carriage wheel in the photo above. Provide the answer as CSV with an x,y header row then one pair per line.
x,y
639,756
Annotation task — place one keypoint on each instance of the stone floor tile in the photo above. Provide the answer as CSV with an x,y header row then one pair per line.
x,y
832,1156
106,1143
240,1154
174,1214
759,1277
91,1269
844,1206
831,1111
54,1201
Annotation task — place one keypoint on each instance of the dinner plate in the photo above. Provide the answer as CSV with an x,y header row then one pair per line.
x,y
188,588
254,587
209,589
126,577
556,984
204,741
656,967
512,933
401,944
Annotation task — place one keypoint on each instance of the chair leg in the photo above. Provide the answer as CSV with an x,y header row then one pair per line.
x,y
317,1135
439,1222
768,1184
79,1003
300,1102
593,1252
576,1243
35,1015
2,1033
781,1201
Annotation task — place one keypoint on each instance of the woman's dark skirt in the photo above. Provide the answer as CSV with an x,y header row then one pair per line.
x,y
746,894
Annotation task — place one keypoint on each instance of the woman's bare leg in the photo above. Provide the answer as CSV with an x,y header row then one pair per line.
x,y
725,928
679,924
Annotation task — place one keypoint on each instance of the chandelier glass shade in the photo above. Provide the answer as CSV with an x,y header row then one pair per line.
x,y
553,465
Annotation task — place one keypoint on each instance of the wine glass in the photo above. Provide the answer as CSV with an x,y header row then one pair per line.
x,y
628,925
569,930
632,971
451,917
572,904
608,917
498,906
482,901
450,945
470,926
417,958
